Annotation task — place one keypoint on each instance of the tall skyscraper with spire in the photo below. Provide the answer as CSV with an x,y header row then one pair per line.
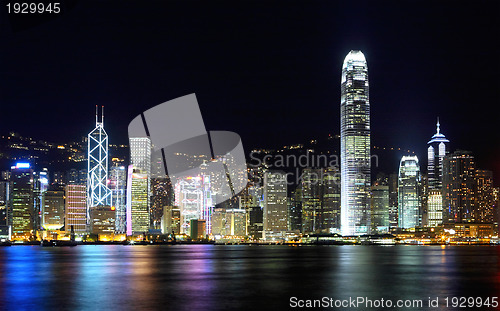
x,y
435,154
98,192
435,157
355,146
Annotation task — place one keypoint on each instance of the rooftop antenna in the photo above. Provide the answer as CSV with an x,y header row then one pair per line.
x,y
96,113
102,117
438,126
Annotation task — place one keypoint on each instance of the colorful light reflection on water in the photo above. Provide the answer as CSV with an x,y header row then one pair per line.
x,y
207,277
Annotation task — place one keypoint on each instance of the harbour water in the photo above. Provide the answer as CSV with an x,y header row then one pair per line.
x,y
239,277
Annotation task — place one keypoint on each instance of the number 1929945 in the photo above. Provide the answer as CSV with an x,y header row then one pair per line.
x,y
33,8
471,302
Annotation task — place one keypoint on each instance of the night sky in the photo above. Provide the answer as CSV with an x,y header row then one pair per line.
x,y
269,71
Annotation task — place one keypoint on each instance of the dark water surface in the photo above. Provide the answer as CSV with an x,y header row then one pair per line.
x,y
208,277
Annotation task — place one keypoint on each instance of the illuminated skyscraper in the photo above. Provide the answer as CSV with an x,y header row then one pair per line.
x,y
53,208
294,210
485,198
137,202
434,207
311,200
194,197
97,160
76,208
355,146
40,185
275,205
330,205
162,196
117,184
459,173
4,211
380,208
320,200
435,154
409,190
393,200
140,158
140,154
22,202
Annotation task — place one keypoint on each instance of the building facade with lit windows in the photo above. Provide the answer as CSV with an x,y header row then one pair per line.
x,y
355,146
194,197
140,158
393,200
76,208
434,207
118,187
237,218
4,210
40,185
437,150
162,197
459,172
311,199
275,213
197,229
409,193
380,208
485,204
103,220
137,202
53,206
171,220
22,201
140,154
330,210
229,222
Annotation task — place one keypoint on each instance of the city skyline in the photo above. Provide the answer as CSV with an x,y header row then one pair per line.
x,y
453,195
357,140
253,155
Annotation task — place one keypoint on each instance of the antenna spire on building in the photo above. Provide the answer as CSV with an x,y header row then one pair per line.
x,y
96,114
102,116
438,125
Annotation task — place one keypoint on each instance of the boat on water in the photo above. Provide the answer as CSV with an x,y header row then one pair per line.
x,y
51,243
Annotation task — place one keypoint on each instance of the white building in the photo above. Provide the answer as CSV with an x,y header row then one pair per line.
x,y
409,191
355,146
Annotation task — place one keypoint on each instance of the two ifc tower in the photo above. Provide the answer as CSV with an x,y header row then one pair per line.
x,y
355,163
